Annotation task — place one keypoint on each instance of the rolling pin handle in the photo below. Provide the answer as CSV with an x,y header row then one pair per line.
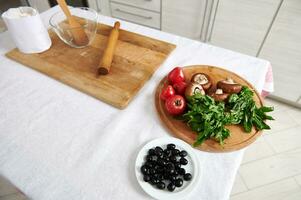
x,y
107,58
117,25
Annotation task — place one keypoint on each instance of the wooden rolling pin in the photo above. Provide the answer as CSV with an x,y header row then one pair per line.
x,y
106,60
78,33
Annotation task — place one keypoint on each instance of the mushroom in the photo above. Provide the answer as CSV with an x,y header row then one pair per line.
x,y
211,90
194,88
219,95
229,86
203,79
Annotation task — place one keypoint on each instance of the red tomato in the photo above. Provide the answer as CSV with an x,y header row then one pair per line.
x,y
167,92
176,75
180,87
175,105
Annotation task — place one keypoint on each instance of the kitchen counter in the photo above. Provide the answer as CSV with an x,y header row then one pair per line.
x,y
58,143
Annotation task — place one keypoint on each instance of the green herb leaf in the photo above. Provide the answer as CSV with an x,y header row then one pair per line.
x,y
209,118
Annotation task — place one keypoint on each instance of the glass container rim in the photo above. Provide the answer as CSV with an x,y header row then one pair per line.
x,y
72,8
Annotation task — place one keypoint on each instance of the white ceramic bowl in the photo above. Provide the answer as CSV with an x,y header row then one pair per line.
x,y
192,167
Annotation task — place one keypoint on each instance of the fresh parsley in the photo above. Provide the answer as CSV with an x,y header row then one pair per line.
x,y
208,118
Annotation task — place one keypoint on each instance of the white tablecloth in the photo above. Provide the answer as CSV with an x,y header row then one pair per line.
x,y
58,143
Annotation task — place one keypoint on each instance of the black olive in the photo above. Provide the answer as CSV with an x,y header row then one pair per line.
x,y
179,182
182,171
149,164
150,158
161,156
173,159
158,151
171,146
177,165
160,177
154,181
170,171
170,166
146,178
157,148
144,169
160,170
183,153
161,162
171,187
152,171
151,152
187,177
175,152
166,176
183,161
161,185
162,166
166,158
166,152
172,178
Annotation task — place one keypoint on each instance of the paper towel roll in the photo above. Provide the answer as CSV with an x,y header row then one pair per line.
x,y
27,29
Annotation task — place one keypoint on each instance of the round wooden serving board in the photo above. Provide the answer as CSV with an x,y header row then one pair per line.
x,y
238,139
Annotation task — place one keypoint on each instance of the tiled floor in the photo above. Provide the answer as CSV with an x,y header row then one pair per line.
x,y
9,192
270,170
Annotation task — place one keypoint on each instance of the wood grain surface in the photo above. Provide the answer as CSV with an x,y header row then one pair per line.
x,y
136,58
238,139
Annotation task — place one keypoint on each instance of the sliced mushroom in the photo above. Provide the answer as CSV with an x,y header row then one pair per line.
x,y
203,79
194,88
219,95
229,86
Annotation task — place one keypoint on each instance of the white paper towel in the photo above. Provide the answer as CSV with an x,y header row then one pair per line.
x,y
27,29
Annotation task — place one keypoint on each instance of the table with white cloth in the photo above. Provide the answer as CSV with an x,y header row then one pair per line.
x,y
59,143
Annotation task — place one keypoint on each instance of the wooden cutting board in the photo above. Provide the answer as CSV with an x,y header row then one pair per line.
x,y
238,139
136,58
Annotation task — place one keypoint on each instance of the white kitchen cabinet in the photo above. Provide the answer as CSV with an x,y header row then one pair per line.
x,y
153,5
241,25
183,17
104,7
136,15
143,12
283,48
40,5
93,4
